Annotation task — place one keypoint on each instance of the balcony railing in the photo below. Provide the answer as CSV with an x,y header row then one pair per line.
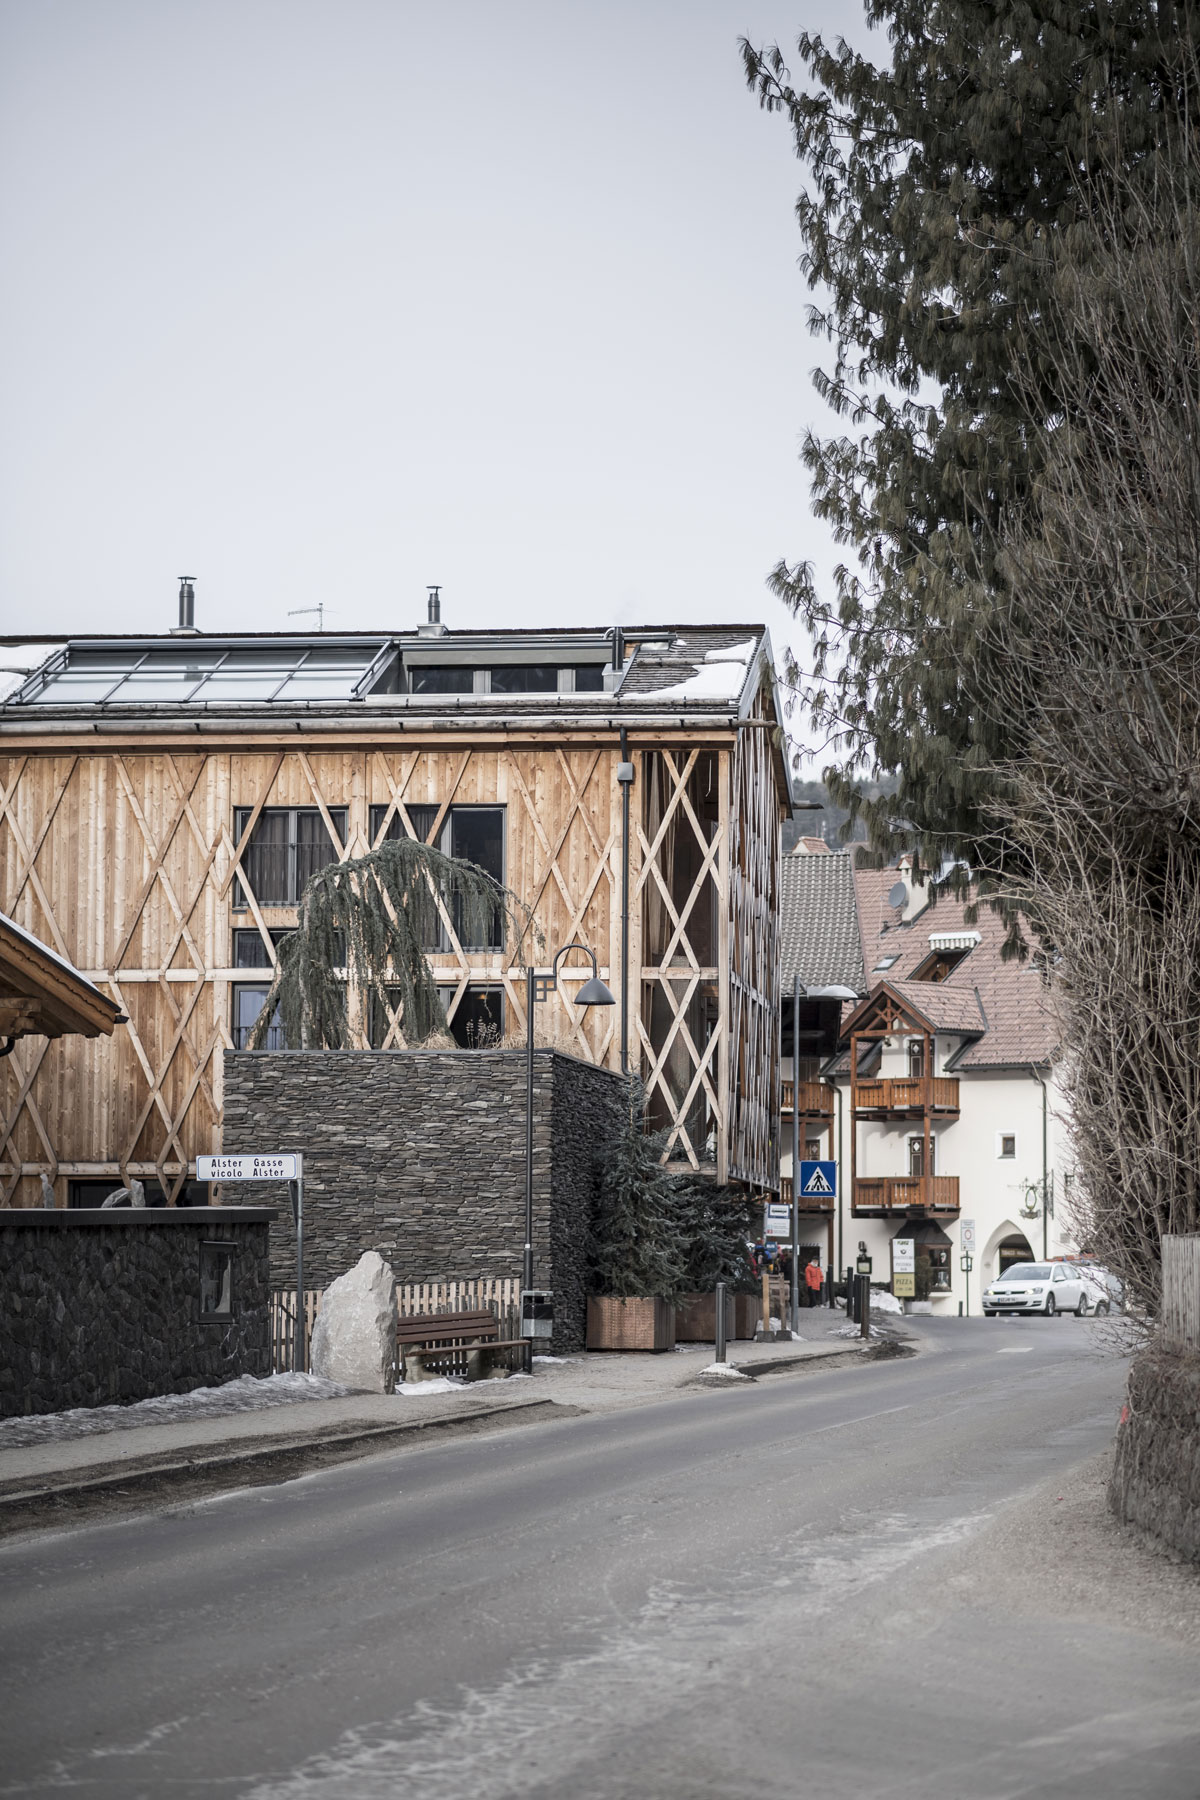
x,y
816,1100
808,1204
906,1096
900,1193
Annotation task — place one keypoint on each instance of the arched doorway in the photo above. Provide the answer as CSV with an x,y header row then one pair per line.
x,y
1007,1245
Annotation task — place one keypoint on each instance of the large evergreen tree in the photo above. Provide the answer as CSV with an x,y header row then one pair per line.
x,y
934,187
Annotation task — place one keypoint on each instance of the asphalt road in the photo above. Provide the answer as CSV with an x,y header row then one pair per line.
x,y
873,1581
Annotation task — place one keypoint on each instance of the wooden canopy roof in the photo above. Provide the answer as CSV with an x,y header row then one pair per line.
x,y
43,996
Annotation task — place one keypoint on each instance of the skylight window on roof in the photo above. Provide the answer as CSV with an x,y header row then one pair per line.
x,y
885,962
182,674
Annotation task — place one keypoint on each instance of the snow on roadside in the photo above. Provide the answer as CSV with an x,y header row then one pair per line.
x,y
247,1394
437,1384
727,1371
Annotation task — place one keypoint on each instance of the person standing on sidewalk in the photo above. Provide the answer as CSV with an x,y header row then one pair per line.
x,y
812,1280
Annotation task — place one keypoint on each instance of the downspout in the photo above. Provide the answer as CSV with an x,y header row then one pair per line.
x,y
1045,1168
625,778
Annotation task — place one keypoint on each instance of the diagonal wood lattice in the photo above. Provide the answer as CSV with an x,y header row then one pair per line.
x,y
126,862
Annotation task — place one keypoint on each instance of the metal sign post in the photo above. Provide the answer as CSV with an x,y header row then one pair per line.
x,y
966,1263
286,1166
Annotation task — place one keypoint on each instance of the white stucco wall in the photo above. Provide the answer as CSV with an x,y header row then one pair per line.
x,y
992,1189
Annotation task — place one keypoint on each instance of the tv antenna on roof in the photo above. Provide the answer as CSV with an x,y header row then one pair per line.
x,y
301,612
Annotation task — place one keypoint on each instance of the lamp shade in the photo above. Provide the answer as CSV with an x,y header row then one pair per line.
x,y
594,993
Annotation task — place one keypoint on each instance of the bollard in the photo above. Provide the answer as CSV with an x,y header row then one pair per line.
x,y
851,1296
720,1321
864,1305
829,1286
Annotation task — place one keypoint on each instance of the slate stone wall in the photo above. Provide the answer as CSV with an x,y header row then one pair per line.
x,y
420,1155
98,1308
1155,1482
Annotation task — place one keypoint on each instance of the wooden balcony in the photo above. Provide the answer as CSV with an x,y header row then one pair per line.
x,y
881,1099
816,1100
880,1194
806,1205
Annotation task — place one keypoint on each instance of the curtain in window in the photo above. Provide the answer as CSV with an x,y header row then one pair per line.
x,y
266,861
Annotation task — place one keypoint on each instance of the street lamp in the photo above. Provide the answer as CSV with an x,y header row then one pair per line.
x,y
537,987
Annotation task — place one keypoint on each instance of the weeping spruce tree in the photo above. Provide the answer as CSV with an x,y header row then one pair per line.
x,y
362,936
934,181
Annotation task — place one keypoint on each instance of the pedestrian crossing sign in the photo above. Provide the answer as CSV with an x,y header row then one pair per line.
x,y
818,1181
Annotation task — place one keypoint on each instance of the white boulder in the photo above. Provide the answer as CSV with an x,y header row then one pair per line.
x,y
354,1338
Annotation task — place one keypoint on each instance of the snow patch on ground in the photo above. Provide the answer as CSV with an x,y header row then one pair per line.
x,y
246,1394
882,1301
556,1359
438,1384
726,1371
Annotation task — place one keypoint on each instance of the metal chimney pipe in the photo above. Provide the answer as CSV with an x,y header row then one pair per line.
x,y
187,603
435,605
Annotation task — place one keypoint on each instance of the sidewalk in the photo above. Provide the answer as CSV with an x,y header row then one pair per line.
x,y
238,1447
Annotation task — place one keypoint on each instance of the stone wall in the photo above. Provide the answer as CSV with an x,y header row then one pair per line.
x,y
102,1307
420,1155
1155,1481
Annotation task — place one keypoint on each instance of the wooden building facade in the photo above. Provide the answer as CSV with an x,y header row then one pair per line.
x,y
162,802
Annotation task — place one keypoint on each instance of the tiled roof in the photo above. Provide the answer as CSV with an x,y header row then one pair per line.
x,y
818,928
700,662
1018,1027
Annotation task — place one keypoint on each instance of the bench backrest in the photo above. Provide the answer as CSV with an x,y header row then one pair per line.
x,y
439,1328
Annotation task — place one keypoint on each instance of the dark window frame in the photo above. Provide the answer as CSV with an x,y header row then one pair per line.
x,y
425,813
292,851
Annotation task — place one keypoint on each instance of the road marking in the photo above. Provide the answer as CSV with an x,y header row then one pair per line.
x,y
861,1420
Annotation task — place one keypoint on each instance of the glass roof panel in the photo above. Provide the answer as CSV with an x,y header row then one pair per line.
x,y
148,673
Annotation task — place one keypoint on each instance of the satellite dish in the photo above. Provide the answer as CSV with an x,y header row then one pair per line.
x,y
898,894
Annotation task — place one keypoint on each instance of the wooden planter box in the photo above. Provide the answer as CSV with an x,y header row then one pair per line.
x,y
617,1324
696,1317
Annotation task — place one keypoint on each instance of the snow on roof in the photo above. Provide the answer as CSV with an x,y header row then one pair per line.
x,y
18,662
718,674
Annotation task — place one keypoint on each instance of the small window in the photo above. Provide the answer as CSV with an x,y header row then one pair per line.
x,y
589,678
249,951
938,964
249,998
886,962
1006,1146
216,1280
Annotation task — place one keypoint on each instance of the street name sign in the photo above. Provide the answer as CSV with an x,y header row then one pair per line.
x,y
286,1167
818,1181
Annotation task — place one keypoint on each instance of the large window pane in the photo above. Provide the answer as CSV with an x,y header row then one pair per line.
x,y
449,678
288,846
525,678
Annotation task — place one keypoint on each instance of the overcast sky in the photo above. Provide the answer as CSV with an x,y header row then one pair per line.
x,y
323,300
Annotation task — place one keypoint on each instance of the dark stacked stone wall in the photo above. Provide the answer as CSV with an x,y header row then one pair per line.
x,y
1155,1481
104,1307
420,1155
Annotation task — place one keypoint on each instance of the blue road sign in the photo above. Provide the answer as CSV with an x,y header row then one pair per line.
x,y
818,1181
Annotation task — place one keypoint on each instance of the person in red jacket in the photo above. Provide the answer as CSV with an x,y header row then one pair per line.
x,y
812,1281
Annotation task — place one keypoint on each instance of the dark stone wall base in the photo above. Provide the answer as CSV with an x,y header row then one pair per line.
x,y
1155,1482
420,1155
103,1308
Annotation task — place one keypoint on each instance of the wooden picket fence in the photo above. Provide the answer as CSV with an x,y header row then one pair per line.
x,y
283,1325
1181,1294
417,1299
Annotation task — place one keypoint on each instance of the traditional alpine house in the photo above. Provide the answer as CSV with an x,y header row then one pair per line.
x,y
164,799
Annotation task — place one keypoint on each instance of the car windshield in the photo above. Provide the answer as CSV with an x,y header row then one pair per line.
x,y
1027,1272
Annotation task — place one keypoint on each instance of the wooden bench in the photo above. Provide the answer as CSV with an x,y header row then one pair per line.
x,y
460,1343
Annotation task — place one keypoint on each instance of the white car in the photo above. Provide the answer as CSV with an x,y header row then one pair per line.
x,y
1042,1288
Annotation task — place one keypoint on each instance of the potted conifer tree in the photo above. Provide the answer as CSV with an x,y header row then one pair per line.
x,y
638,1249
